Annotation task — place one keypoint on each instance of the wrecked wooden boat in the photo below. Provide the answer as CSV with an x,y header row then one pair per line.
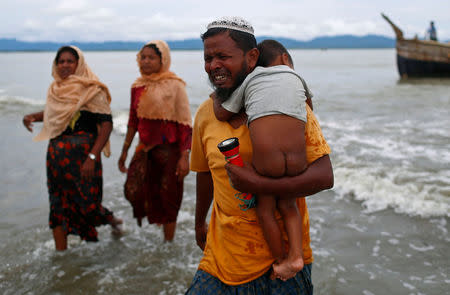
x,y
420,58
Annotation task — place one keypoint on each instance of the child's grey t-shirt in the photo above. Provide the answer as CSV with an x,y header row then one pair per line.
x,y
270,91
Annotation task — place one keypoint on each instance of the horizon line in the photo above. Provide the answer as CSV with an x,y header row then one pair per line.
x,y
195,38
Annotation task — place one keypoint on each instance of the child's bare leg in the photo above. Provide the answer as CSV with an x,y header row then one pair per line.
x,y
293,224
278,150
265,209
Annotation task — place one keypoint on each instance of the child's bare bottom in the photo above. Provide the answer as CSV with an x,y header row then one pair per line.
x,y
278,150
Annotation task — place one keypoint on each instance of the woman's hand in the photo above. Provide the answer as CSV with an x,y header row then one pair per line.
x,y
121,163
243,179
30,118
28,122
88,168
183,165
126,145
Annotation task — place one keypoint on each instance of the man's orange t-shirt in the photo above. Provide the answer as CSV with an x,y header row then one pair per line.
x,y
236,251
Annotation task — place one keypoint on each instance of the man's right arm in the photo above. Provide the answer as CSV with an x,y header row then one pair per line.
x,y
317,177
204,199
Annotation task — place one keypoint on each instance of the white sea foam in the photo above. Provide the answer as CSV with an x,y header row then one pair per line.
x,y
357,227
409,286
421,249
379,189
441,224
322,253
376,249
348,126
6,100
120,119
112,276
393,241
389,144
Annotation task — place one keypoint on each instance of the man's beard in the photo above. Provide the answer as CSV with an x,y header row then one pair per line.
x,y
224,93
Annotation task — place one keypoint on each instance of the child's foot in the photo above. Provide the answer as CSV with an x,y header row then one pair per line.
x,y
287,269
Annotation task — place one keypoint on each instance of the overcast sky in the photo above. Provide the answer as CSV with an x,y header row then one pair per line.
x,y
143,20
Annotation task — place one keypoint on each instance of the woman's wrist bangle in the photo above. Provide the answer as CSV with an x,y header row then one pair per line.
x,y
126,143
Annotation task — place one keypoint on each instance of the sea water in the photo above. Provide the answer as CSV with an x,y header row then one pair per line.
x,y
382,229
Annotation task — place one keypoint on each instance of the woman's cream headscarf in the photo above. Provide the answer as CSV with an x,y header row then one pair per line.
x,y
65,97
165,95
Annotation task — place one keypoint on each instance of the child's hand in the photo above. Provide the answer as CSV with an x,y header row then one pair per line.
x,y
237,120
220,112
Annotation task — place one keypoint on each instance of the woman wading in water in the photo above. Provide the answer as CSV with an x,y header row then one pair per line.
x,y
160,113
77,121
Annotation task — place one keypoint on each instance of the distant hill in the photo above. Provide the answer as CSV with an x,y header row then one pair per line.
x,y
343,41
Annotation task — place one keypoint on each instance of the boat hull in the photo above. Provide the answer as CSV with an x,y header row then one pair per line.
x,y
417,58
409,67
420,58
